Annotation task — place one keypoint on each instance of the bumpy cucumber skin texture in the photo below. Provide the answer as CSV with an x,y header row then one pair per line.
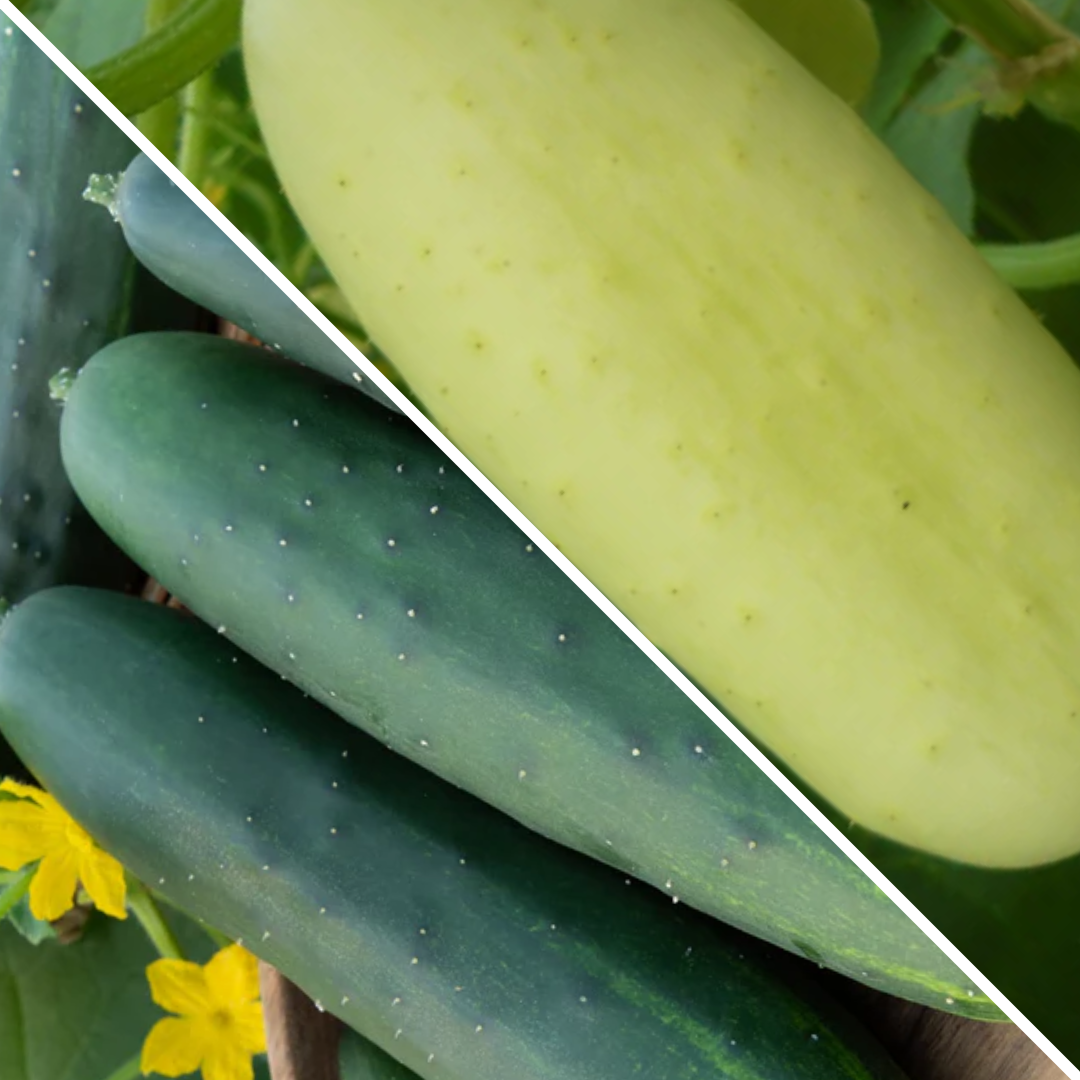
x,y
458,941
332,541
67,284
178,243
686,312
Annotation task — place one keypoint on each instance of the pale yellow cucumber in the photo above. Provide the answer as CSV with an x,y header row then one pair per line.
x,y
836,40
674,299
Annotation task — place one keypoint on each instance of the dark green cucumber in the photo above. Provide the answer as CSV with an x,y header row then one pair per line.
x,y
175,240
68,285
361,1059
458,941
333,542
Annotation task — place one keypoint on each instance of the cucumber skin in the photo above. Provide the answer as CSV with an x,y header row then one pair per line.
x,y
60,304
486,689
361,1059
405,866
178,243
51,140
660,321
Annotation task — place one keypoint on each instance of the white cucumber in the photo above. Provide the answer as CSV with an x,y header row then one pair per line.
x,y
678,303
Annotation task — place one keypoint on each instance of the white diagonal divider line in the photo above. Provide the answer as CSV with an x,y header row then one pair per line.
x,y
556,556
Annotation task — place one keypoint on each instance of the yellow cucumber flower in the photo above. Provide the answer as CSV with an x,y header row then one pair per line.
x,y
34,826
219,1026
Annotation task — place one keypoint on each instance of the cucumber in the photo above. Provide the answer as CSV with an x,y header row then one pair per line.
x,y
332,541
456,940
361,1059
693,319
174,238
67,286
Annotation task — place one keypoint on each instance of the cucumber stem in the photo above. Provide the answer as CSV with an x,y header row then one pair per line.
x,y
101,191
1038,58
1047,265
145,909
1008,28
16,890
193,39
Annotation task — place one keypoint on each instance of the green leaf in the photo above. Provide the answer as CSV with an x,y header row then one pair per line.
x,y
78,1012
911,32
74,1011
33,930
929,97
14,905
932,132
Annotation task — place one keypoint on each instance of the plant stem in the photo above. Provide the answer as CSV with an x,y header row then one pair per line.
x,y
216,936
195,134
161,124
1008,28
129,1070
1038,58
1048,265
235,136
16,890
153,922
194,38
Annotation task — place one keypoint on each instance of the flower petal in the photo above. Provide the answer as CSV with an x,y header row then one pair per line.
x,y
51,811
249,1027
180,987
103,878
232,976
174,1047
52,890
28,791
226,1061
25,835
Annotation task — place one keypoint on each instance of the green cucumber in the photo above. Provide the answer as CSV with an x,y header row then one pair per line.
x,y
361,1059
174,239
66,284
69,285
456,940
332,541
